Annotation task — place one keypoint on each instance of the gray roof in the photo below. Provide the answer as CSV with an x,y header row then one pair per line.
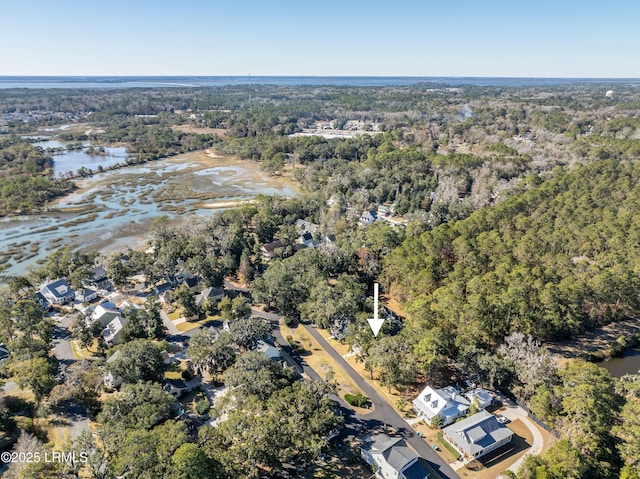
x,y
269,350
208,293
60,288
98,273
417,470
394,450
399,456
478,432
383,442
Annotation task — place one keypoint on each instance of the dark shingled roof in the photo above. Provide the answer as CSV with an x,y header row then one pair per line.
x,y
417,470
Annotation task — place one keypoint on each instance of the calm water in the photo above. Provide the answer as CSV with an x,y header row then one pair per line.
x,y
209,81
72,160
629,364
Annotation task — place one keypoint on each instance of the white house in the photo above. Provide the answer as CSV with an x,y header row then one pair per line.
x,y
108,378
368,217
58,292
105,313
477,435
270,350
304,226
112,330
86,295
392,458
446,402
480,395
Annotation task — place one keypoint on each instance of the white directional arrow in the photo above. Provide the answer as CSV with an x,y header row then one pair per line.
x,y
375,322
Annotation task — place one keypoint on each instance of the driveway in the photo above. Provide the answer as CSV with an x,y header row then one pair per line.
x,y
513,412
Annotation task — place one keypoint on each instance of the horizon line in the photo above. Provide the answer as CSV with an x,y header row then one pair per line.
x,y
319,76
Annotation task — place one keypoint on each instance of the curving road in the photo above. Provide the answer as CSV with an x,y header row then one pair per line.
x,y
385,414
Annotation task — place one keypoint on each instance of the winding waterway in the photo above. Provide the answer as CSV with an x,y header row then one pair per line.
x,y
113,210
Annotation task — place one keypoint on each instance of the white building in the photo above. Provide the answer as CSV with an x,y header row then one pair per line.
x,y
447,403
392,458
477,435
111,332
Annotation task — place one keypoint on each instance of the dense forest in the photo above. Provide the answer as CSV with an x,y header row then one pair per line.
x,y
553,261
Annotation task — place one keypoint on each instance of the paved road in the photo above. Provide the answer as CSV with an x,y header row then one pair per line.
x,y
384,413
62,339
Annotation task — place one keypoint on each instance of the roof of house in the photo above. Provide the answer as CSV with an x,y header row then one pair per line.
x,y
483,397
41,299
382,442
474,434
98,273
191,281
306,237
60,288
269,350
270,247
105,312
417,470
397,454
445,402
114,356
112,329
304,225
208,293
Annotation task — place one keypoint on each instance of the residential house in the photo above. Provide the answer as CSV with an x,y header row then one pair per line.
x,y
192,282
176,387
477,435
58,292
446,402
42,301
4,353
304,226
108,378
86,295
307,240
481,396
329,240
392,458
209,294
105,313
111,332
270,350
384,210
98,278
368,217
275,249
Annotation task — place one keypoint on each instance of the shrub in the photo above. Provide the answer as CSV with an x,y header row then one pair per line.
x,y
202,407
357,400
436,422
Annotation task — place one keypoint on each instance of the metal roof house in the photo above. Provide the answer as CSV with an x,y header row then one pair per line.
x,y
446,402
58,292
392,458
477,435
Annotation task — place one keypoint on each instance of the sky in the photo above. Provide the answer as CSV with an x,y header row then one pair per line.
x,y
486,38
